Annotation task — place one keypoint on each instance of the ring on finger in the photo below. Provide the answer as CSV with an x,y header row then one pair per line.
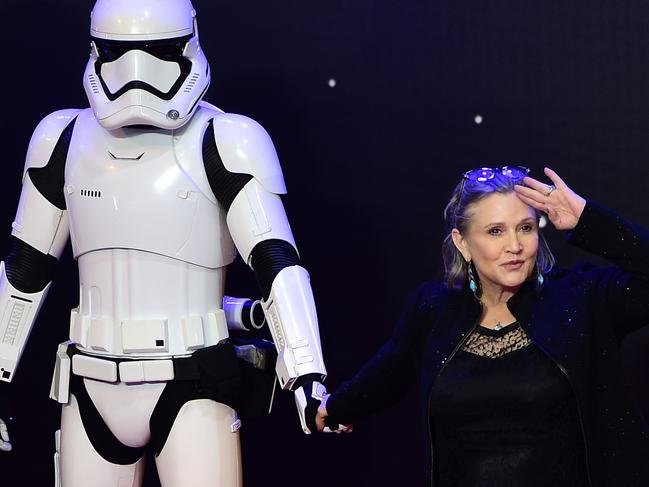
x,y
551,188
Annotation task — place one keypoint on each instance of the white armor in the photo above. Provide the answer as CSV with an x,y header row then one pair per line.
x,y
152,242
18,313
176,88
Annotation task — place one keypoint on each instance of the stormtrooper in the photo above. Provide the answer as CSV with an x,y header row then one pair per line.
x,y
157,190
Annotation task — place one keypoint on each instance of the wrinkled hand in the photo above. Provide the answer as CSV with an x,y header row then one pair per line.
x,y
5,441
563,205
326,426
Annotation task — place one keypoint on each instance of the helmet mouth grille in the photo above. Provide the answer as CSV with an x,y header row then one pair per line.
x,y
141,85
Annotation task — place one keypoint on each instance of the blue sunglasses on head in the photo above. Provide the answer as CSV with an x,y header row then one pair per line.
x,y
483,174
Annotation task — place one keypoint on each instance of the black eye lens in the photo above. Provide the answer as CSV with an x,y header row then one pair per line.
x,y
165,49
109,51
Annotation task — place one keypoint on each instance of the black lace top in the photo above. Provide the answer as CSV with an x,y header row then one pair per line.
x,y
504,415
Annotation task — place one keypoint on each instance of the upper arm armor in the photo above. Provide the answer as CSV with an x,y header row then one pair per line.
x,y
246,178
41,219
246,148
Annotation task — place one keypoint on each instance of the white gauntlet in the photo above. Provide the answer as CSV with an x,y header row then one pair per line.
x,y
291,316
18,311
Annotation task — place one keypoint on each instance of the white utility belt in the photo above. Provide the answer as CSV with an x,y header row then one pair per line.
x,y
70,361
129,371
149,336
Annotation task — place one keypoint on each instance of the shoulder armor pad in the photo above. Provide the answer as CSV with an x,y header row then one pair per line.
x,y
45,137
245,147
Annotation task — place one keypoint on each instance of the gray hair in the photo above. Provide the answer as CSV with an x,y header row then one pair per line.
x,y
457,214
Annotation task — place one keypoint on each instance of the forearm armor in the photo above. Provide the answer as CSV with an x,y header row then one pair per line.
x,y
18,310
293,323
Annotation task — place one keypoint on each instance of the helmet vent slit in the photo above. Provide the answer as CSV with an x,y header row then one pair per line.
x,y
93,84
192,82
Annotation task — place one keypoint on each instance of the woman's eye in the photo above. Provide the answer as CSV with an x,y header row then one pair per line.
x,y
527,227
495,231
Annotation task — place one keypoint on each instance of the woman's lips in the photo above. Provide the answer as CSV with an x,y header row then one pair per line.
x,y
513,265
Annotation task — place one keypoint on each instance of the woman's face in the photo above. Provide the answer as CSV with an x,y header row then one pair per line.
x,y
501,239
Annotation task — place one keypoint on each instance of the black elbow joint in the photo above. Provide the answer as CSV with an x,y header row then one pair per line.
x,y
268,258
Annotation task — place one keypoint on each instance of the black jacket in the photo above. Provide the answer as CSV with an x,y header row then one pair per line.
x,y
577,317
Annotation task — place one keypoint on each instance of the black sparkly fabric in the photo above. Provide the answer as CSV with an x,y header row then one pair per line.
x,y
505,416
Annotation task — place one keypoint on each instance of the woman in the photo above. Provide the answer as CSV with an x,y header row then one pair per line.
x,y
518,363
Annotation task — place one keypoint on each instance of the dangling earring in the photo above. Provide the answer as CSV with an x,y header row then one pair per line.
x,y
539,277
473,285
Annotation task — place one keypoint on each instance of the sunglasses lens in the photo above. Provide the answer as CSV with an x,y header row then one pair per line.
x,y
514,172
480,175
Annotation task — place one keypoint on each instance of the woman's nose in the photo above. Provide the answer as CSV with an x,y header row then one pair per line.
x,y
514,245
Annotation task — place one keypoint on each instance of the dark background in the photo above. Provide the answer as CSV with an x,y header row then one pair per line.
x,y
369,165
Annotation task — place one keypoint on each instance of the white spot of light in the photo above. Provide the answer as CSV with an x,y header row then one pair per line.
x,y
166,179
543,221
477,119
331,83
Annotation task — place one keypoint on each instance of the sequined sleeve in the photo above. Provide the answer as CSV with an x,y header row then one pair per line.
x,y
387,377
621,292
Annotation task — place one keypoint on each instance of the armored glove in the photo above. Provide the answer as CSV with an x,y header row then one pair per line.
x,y
307,399
310,400
5,414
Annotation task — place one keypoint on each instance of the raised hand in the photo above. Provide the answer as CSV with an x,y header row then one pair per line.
x,y
562,204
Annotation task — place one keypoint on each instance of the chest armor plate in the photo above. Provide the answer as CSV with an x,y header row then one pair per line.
x,y
144,190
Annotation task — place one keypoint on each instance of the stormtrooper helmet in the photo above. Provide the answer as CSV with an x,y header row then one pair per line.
x,y
146,66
